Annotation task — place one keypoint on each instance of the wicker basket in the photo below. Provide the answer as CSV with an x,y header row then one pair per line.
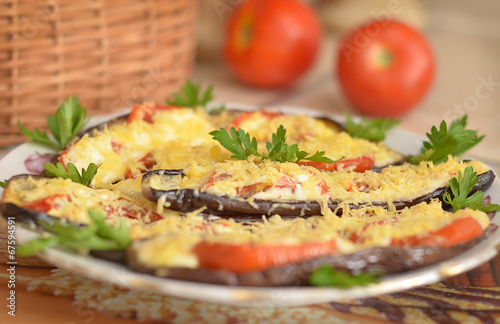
x,y
110,53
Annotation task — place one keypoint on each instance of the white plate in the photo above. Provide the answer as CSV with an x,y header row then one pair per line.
x,y
398,139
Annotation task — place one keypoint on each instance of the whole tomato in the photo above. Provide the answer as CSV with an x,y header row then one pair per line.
x,y
385,68
271,43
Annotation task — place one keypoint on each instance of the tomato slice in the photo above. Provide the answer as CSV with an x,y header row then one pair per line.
x,y
286,182
146,112
266,114
216,177
361,164
250,190
460,230
126,210
282,182
148,161
45,204
63,156
255,257
324,188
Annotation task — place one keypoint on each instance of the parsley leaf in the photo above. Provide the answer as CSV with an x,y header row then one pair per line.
x,y
241,145
237,142
327,276
454,141
190,96
3,184
373,129
217,109
461,189
64,125
59,171
95,236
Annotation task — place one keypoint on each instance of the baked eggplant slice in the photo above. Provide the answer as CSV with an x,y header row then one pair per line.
x,y
386,260
127,148
230,190
285,252
35,198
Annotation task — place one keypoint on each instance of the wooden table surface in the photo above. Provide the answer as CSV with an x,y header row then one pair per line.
x,y
467,50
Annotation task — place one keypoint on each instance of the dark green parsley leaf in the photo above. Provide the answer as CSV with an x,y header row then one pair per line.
x,y
97,235
444,142
241,145
327,276
237,142
373,129
192,96
461,189
59,171
3,184
38,136
64,125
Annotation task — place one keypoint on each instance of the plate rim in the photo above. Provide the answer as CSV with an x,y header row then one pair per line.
x,y
255,296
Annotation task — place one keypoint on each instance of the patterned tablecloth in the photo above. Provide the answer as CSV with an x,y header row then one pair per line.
x,y
55,296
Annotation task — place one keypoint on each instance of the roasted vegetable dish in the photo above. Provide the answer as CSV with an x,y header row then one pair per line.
x,y
257,198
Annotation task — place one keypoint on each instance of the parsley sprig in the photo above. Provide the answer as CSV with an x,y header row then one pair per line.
x,y
3,184
242,146
97,235
64,125
373,129
454,141
461,189
71,172
327,276
193,95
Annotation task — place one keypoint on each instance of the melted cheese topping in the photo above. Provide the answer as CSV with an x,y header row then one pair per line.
x,y
179,139
313,135
171,241
291,182
173,139
168,241
179,136
77,199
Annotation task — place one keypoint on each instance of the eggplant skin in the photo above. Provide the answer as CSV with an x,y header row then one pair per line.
x,y
30,218
187,200
386,260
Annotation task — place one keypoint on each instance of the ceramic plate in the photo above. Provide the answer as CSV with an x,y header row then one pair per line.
x,y
399,139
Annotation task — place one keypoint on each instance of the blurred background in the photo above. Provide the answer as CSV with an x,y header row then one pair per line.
x,y
116,53
465,39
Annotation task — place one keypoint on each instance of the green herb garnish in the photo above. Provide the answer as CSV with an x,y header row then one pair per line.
x,y
373,129
59,171
95,236
3,184
461,189
64,125
327,276
191,95
217,109
444,142
242,146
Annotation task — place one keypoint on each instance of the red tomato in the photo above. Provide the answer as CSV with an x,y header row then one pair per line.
x,y
385,68
130,210
46,204
271,43
362,164
459,231
146,112
247,257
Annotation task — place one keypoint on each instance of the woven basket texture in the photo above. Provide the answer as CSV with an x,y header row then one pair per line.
x,y
112,54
